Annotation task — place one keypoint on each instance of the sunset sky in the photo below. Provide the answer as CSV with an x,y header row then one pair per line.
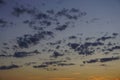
x,y
59,39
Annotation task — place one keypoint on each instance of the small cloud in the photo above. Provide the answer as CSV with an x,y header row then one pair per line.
x,y
9,67
25,54
104,38
21,54
109,59
72,37
41,66
65,64
92,61
56,54
3,23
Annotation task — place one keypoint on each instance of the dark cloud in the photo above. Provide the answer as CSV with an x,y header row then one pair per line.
x,y
9,67
91,61
82,49
57,47
105,38
5,44
87,48
66,64
51,69
21,54
70,13
87,44
56,54
74,10
73,45
109,44
36,51
109,59
45,23
53,62
72,37
89,38
25,54
27,40
113,48
42,16
41,66
3,23
3,55
54,43
19,10
115,34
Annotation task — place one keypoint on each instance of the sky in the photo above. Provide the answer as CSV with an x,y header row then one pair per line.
x,y
59,40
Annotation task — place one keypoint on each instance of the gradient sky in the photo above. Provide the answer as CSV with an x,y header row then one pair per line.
x,y
59,39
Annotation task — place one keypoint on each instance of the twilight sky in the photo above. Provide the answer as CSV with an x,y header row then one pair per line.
x,y
59,39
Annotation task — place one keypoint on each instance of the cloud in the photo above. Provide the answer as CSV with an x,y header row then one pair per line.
x,y
3,23
9,67
84,49
53,65
70,13
41,66
3,55
56,54
91,61
72,37
25,54
105,38
109,59
58,63
45,66
19,10
115,34
114,48
66,64
62,27
27,40
73,45
21,54
87,44
42,16
53,62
